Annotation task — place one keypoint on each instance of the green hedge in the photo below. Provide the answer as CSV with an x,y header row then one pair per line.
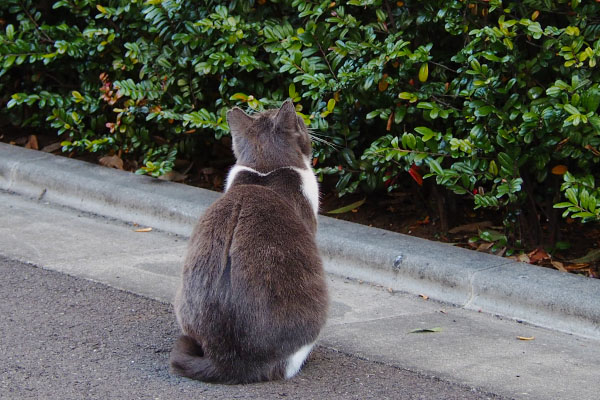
x,y
494,100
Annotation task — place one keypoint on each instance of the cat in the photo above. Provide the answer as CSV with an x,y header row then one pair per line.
x,y
253,296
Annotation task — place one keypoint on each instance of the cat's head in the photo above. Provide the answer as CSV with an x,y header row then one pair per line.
x,y
271,139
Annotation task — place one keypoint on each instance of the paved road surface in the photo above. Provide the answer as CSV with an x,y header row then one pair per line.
x,y
68,338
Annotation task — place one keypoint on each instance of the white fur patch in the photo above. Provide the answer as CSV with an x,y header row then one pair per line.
x,y
310,186
296,360
236,170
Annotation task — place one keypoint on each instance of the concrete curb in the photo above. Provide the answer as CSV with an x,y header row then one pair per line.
x,y
466,278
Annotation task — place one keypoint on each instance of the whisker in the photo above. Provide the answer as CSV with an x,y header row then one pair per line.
x,y
325,142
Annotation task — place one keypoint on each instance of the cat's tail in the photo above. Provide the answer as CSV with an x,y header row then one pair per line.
x,y
187,359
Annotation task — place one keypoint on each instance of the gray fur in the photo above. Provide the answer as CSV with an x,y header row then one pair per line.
x,y
253,290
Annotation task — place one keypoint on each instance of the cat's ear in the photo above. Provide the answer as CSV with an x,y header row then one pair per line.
x,y
239,122
286,116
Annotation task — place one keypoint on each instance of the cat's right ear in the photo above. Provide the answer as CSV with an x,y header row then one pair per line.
x,y
239,122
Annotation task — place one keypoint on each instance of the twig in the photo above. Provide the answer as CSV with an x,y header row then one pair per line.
x,y
389,10
425,152
443,66
42,33
326,60
444,103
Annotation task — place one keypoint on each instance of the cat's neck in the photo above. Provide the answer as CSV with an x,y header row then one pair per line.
x,y
308,182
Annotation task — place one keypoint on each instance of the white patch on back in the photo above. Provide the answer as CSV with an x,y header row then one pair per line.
x,y
236,170
296,360
310,186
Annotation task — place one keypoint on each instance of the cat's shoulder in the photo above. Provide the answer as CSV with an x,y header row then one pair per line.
x,y
285,181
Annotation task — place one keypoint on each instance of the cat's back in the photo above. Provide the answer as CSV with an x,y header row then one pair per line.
x,y
256,259
262,219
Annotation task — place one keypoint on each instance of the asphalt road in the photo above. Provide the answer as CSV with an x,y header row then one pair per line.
x,y
63,337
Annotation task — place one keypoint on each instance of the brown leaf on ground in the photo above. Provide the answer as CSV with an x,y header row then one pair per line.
x,y
577,266
173,176
523,258
485,246
471,228
144,230
111,161
500,253
426,330
424,296
538,255
559,266
32,143
52,147
525,337
424,221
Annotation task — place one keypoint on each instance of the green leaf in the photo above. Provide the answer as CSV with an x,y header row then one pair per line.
x,y
572,31
10,32
554,91
571,110
426,132
483,111
571,194
348,208
435,166
373,114
493,168
563,205
330,105
505,161
424,72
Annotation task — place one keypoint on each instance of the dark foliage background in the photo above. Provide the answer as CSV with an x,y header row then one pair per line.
x,y
494,101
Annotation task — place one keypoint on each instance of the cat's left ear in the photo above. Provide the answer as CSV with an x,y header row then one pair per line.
x,y
239,122
286,116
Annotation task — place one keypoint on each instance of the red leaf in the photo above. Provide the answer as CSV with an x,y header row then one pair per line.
x,y
414,172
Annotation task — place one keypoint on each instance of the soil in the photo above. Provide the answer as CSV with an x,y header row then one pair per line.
x,y
410,211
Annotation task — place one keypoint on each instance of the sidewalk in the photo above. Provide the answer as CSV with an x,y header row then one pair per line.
x,y
469,279
476,349
73,339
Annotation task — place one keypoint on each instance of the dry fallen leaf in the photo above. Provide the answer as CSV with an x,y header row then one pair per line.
x,y
485,246
501,252
471,228
111,161
173,176
426,330
425,297
578,266
52,147
424,221
32,143
523,258
538,255
144,230
559,266
525,338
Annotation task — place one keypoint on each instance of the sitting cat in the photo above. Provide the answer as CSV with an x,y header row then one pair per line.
x,y
253,296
